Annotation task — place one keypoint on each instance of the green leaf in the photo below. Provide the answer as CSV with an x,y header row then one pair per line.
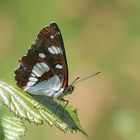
x,y
39,109
12,128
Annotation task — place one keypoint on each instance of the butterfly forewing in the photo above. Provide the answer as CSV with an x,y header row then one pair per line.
x,y
44,67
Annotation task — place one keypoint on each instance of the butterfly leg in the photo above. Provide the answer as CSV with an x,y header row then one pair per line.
x,y
64,106
58,104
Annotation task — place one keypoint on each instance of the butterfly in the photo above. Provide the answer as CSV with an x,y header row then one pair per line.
x,y
44,70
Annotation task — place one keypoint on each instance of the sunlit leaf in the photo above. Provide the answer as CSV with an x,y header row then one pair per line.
x,y
13,128
39,109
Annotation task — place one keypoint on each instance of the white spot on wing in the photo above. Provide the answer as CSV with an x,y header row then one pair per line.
x,y
59,66
32,75
52,37
36,73
51,50
42,55
33,79
30,84
54,49
45,66
58,50
40,68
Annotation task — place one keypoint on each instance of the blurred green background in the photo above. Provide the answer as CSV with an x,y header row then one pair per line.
x,y
99,36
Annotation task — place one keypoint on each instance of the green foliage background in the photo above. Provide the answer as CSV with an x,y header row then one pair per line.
x,y
99,36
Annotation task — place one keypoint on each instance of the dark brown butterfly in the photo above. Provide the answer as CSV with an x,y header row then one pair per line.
x,y
43,70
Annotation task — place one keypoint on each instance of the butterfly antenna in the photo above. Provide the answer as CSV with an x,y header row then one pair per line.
x,y
77,79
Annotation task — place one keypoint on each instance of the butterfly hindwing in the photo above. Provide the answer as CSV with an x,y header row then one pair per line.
x,y
44,67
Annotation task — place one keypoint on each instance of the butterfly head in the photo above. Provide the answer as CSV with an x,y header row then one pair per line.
x,y
69,89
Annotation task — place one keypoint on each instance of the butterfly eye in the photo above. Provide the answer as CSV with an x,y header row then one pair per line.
x,y
70,89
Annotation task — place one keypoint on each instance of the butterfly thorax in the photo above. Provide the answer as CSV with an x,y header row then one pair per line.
x,y
68,90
